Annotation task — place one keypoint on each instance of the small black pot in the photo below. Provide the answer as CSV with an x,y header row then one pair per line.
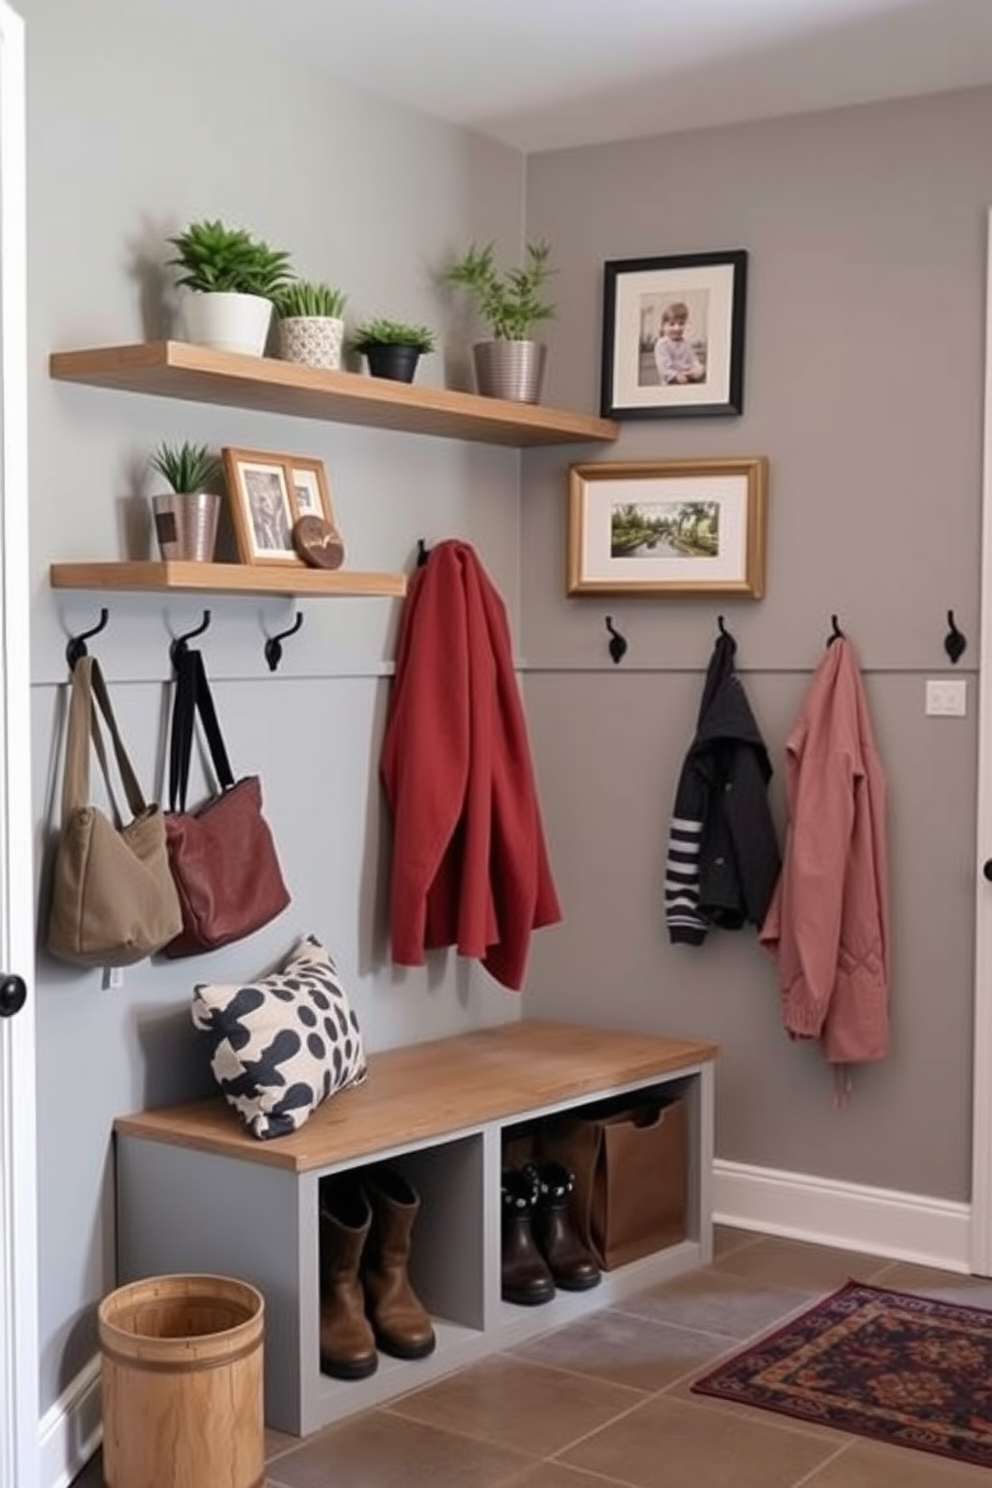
x,y
393,359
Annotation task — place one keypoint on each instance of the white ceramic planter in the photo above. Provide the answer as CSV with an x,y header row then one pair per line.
x,y
228,322
314,340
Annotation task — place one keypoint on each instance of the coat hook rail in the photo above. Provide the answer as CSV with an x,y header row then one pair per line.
x,y
178,646
273,646
76,646
618,643
955,643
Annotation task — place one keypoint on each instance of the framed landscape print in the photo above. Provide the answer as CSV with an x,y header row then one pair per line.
x,y
668,527
673,336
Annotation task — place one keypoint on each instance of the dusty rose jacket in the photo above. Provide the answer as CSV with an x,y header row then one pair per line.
x,y
828,923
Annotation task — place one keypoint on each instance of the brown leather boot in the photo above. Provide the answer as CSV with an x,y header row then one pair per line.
x,y
573,1267
524,1276
347,1346
400,1323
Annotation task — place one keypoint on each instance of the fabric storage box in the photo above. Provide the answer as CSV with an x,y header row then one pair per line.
x,y
630,1160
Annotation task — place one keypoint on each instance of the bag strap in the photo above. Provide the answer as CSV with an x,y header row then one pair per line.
x,y
87,684
193,696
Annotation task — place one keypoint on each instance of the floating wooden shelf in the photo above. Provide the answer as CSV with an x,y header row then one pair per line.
x,y
178,369
225,578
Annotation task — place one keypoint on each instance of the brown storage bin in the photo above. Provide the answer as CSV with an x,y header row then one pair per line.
x,y
630,1163
182,1384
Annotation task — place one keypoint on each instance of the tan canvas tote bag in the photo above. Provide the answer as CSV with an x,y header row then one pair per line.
x,y
113,898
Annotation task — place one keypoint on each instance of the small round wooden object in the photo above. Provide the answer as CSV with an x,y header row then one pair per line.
x,y
318,543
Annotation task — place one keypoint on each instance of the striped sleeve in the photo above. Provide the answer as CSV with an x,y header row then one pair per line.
x,y
685,924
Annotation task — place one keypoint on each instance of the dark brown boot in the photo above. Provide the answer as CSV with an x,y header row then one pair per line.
x,y
573,1267
400,1323
525,1278
347,1346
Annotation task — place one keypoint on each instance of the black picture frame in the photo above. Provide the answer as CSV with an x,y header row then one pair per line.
x,y
648,375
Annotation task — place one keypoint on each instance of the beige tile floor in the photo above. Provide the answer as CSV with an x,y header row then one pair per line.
x,y
606,1401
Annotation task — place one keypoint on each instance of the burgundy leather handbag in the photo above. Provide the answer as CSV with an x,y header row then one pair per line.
x,y
222,857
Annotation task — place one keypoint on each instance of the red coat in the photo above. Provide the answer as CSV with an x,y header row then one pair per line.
x,y
470,867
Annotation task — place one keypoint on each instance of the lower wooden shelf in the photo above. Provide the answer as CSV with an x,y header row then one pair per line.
x,y
226,578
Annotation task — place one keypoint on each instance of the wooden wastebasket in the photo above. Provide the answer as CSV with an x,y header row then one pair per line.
x,y
182,1384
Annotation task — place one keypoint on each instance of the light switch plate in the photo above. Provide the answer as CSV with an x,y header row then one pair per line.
x,y
946,698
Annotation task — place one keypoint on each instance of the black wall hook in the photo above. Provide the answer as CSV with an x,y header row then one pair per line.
x,y
273,646
77,644
836,634
178,646
955,644
618,643
423,552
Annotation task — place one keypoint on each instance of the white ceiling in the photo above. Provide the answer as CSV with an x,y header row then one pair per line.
x,y
543,74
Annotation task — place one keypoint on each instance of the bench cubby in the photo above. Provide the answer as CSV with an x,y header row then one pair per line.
x,y
196,1193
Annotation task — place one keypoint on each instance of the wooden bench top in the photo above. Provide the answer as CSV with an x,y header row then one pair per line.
x,y
426,1090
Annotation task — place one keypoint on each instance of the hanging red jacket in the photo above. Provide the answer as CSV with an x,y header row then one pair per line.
x,y
470,866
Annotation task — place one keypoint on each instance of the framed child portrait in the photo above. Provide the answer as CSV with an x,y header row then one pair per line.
x,y
673,336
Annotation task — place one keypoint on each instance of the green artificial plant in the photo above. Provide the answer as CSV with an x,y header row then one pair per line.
x,y
186,467
508,300
218,259
308,297
379,332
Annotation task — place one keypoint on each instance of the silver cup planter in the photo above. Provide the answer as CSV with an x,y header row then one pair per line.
x,y
510,369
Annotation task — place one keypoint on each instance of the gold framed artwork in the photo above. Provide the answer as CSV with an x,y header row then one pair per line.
x,y
269,492
668,527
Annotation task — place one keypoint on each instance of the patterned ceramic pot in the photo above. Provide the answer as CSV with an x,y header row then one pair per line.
x,y
314,340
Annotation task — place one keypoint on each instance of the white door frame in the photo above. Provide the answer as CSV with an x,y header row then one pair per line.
x,y
19,1443
981,1142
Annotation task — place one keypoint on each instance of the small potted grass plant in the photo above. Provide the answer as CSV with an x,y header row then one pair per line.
x,y
392,348
511,365
232,278
311,328
186,515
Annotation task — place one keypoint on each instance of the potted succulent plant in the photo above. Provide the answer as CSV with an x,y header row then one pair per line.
x,y
311,328
186,516
392,348
511,365
232,277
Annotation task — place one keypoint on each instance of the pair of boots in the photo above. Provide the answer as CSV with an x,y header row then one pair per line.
x,y
366,1300
541,1248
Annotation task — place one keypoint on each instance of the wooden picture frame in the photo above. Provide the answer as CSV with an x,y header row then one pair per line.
x,y
672,527
263,510
310,488
673,336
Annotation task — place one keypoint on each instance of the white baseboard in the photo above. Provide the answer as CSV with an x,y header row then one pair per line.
x,y
879,1221
70,1430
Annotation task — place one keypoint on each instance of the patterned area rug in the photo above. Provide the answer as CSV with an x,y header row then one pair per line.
x,y
899,1368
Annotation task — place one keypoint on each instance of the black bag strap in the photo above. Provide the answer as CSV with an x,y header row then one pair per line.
x,y
193,696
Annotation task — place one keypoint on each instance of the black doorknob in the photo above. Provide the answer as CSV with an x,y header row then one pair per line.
x,y
987,869
13,995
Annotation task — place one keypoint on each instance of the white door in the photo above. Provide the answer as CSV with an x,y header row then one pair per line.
x,y
981,1185
19,1446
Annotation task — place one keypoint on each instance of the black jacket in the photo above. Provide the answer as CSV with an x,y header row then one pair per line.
x,y
723,854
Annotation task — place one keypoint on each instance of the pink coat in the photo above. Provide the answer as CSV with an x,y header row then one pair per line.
x,y
828,923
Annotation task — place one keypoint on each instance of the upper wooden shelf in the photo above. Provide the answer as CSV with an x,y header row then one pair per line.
x,y
225,578
178,369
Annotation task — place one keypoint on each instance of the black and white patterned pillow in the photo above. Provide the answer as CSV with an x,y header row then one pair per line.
x,y
281,1045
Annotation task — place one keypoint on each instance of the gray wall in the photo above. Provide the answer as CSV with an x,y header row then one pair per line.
x,y
866,230
136,126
